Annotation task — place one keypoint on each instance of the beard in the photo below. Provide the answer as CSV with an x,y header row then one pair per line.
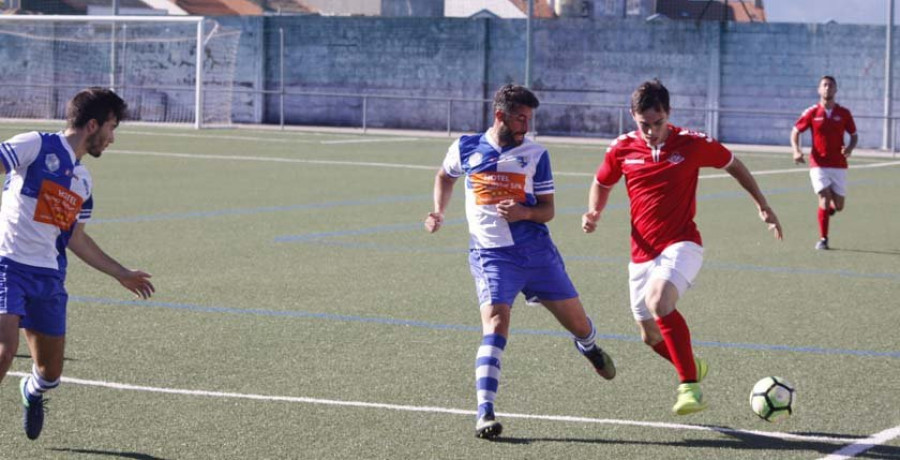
x,y
95,146
507,137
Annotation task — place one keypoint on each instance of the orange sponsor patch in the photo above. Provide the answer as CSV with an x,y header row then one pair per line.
x,y
57,205
494,187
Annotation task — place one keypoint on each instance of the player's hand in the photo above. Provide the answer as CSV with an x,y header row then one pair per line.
x,y
137,282
512,211
846,152
768,216
589,221
798,157
433,221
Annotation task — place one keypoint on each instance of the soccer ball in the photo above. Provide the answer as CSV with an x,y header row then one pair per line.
x,y
773,399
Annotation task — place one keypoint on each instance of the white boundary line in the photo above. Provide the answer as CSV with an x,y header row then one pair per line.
x,y
270,159
434,168
445,410
863,445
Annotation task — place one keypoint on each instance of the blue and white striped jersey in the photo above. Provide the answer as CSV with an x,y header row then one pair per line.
x,y
493,174
45,193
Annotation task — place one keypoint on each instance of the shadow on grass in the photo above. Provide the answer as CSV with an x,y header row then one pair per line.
x,y
883,252
24,356
739,442
108,453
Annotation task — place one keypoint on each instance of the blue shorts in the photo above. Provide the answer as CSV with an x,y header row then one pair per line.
x,y
37,296
535,269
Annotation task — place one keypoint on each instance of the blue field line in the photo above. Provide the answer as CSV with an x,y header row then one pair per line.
x,y
265,209
457,327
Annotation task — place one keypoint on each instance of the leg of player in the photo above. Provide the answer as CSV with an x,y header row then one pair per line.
x,y
47,352
661,298
653,338
827,208
9,341
570,314
495,330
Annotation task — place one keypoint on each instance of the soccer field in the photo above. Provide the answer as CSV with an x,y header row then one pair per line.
x,y
303,312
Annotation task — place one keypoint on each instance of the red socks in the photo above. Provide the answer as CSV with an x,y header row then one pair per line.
x,y
661,349
678,342
823,222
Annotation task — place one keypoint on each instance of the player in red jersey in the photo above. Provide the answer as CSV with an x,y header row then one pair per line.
x,y
828,155
661,164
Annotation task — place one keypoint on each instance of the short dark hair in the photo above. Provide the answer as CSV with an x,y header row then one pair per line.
x,y
650,95
511,97
828,77
94,103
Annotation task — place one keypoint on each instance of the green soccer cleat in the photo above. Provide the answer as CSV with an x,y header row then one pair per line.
x,y
702,368
690,399
601,361
33,421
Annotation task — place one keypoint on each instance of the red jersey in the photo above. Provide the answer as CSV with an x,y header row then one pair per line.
x,y
827,134
662,185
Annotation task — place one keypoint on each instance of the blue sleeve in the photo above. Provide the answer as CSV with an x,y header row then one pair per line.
x,y
543,176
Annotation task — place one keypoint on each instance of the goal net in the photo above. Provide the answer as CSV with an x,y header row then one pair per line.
x,y
168,69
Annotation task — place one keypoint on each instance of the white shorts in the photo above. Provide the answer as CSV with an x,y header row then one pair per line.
x,y
679,264
822,178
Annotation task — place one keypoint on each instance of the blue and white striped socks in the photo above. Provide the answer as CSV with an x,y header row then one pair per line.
x,y
37,385
487,371
587,343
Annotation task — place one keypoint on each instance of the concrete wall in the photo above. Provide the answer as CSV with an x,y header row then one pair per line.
x,y
370,67
732,67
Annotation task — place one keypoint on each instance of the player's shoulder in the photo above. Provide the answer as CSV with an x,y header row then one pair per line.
x,y
624,141
31,137
811,109
469,139
689,135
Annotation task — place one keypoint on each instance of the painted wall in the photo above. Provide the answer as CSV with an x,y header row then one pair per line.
x,y
737,68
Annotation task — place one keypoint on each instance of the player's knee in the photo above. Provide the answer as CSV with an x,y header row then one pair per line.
x,y
7,354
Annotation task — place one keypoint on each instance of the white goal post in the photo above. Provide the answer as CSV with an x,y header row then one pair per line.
x,y
175,69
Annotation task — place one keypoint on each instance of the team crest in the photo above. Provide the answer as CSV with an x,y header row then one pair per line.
x,y
522,162
52,162
675,158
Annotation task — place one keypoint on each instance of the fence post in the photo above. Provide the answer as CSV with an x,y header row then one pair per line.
x,y
449,116
364,121
281,76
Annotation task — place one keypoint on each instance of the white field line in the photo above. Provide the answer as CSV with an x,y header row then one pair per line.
x,y
272,159
294,140
445,410
434,168
861,445
370,140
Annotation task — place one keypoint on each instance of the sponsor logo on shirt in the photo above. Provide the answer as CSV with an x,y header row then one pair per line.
x,y
57,205
494,187
634,161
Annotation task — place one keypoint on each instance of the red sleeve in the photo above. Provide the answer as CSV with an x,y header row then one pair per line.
x,y
805,119
610,171
850,125
713,154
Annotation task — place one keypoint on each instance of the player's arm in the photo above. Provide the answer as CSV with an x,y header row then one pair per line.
x,y
740,172
597,199
87,250
542,212
795,146
848,149
443,189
